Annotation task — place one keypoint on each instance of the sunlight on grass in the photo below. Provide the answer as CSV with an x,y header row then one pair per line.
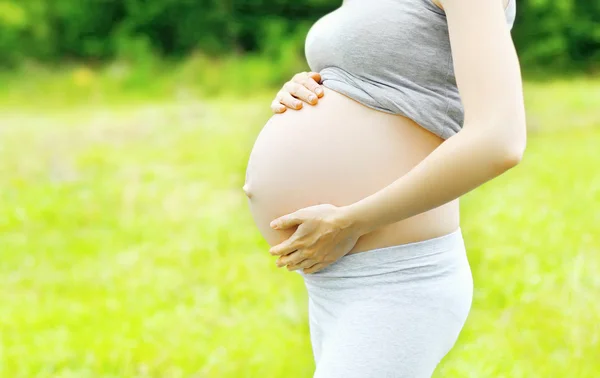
x,y
128,249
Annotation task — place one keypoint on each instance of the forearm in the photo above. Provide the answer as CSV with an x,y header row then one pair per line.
x,y
492,139
457,166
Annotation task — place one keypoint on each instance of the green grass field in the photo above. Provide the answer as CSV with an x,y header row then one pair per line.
x,y
127,249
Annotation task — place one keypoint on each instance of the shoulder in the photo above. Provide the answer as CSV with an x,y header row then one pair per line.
x,y
510,8
506,3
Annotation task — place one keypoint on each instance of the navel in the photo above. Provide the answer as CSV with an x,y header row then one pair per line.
x,y
246,189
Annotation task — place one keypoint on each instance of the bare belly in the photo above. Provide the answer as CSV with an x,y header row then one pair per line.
x,y
339,152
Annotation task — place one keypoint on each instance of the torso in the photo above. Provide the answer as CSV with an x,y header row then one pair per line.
x,y
390,100
339,152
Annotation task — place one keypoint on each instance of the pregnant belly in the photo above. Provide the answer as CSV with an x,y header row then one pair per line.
x,y
339,152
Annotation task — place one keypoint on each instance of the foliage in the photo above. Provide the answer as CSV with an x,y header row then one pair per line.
x,y
558,34
549,34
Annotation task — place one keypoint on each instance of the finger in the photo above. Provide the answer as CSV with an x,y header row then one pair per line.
x,y
286,221
288,100
311,81
300,91
315,76
292,258
304,264
285,248
315,268
277,107
302,75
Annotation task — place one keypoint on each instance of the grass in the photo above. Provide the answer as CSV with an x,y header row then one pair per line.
x,y
128,249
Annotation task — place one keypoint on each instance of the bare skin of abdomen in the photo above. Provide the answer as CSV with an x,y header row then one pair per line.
x,y
339,152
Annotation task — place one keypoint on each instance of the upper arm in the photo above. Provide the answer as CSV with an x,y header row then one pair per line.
x,y
486,67
439,3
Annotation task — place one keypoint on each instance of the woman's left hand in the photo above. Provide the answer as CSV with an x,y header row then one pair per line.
x,y
324,235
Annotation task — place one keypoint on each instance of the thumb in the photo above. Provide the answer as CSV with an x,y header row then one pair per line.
x,y
286,221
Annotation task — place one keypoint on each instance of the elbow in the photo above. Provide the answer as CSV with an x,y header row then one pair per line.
x,y
501,133
506,147
510,152
517,142
511,157
501,158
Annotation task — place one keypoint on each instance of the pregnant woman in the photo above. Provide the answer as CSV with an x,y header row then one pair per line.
x,y
415,103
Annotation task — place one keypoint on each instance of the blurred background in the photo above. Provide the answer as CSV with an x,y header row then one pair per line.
x,y
126,245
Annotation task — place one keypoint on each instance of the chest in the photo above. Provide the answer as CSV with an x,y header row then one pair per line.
x,y
367,36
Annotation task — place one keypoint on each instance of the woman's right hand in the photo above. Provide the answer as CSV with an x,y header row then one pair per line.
x,y
304,86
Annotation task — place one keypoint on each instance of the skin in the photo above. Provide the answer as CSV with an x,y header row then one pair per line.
x,y
492,141
305,158
303,86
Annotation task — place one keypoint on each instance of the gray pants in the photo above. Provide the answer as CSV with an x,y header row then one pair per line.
x,y
391,312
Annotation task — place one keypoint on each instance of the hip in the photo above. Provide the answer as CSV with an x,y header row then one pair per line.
x,y
433,273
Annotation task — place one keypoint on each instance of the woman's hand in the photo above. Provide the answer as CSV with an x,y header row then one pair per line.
x,y
303,86
324,235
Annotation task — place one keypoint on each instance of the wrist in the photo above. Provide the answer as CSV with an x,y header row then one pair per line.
x,y
349,218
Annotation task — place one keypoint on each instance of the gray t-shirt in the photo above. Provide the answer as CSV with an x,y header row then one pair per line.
x,y
393,56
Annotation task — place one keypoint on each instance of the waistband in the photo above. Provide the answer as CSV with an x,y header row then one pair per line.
x,y
385,259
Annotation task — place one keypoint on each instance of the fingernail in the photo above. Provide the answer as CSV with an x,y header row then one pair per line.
x,y
318,90
273,225
311,98
297,104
